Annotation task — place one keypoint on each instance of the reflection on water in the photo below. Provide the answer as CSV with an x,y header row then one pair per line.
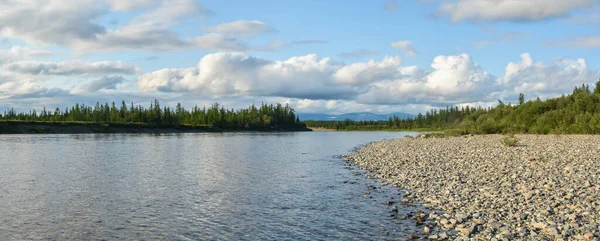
x,y
190,186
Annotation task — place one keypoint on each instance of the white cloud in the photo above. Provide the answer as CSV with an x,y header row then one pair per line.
x,y
74,24
546,80
71,68
406,46
16,53
150,31
234,74
309,83
372,71
454,79
166,14
17,86
104,83
128,5
51,21
510,10
157,40
242,28
451,80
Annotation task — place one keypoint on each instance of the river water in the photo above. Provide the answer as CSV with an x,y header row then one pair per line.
x,y
229,186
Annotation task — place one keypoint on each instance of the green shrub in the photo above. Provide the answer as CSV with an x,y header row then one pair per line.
x,y
456,132
509,140
433,135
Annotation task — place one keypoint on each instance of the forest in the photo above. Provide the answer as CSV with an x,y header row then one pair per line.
x,y
264,117
576,113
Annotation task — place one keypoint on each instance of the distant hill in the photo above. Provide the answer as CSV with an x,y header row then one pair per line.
x,y
357,116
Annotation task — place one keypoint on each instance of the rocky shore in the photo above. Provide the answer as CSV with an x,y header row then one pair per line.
x,y
475,188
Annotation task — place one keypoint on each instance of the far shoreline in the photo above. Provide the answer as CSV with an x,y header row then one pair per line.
x,y
18,127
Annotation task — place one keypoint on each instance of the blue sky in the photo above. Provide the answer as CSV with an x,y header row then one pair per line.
x,y
318,56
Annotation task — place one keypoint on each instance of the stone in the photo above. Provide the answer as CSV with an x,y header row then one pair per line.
x,y
539,226
588,236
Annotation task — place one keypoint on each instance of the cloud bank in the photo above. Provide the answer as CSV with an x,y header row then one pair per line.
x,y
450,80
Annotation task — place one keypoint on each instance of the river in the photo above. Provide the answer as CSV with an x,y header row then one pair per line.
x,y
215,186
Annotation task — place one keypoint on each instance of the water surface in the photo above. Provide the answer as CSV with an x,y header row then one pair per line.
x,y
236,186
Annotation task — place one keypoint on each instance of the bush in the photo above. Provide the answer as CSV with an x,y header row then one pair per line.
x,y
433,135
456,132
509,140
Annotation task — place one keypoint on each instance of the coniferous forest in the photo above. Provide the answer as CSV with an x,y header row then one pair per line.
x,y
264,117
577,113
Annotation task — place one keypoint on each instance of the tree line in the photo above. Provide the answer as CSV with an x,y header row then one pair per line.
x,y
261,117
576,113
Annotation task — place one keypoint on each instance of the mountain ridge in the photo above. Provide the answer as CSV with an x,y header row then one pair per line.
x,y
355,116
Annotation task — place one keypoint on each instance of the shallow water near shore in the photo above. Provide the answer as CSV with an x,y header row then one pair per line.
x,y
240,186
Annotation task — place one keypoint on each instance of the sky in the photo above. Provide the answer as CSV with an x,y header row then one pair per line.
x,y
335,56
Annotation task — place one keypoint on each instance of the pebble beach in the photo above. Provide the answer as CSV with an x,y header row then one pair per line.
x,y
476,188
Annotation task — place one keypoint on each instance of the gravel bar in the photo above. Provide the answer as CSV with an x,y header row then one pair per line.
x,y
475,188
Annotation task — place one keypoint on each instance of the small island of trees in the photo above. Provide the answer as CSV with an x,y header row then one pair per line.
x,y
216,117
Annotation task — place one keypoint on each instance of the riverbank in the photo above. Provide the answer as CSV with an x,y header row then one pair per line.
x,y
321,129
10,127
545,187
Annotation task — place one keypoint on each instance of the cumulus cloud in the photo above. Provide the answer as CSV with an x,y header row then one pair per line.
x,y
451,80
372,71
70,68
546,80
510,10
242,28
406,46
234,74
454,79
309,83
310,77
